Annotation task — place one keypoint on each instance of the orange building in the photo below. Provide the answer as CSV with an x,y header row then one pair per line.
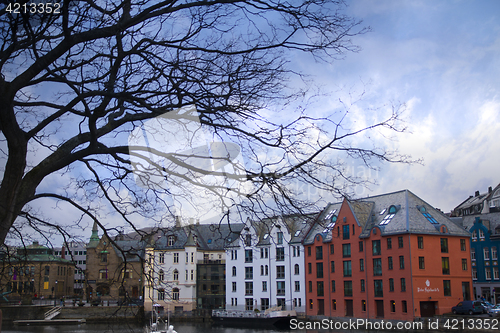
x,y
391,256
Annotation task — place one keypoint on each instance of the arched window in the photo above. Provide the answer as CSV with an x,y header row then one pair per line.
x,y
176,275
297,269
234,270
175,294
161,275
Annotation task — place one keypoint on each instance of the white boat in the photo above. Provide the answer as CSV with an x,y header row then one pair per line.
x,y
154,325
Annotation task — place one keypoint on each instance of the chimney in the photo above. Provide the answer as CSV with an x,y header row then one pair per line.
x,y
63,252
191,220
477,193
177,221
490,189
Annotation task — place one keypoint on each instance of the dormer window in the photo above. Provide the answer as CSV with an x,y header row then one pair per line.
x,y
390,214
297,233
170,240
428,216
330,214
481,234
266,236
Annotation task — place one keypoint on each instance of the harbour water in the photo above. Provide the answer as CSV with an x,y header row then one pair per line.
x,y
129,328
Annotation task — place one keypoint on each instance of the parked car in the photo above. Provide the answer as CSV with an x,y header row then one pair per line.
x,y
494,310
468,307
487,306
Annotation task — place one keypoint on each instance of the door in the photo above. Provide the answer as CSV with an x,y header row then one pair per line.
x,y
135,292
321,307
427,309
349,311
379,305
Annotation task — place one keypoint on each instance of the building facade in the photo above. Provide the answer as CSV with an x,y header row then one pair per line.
x,y
114,268
185,267
485,244
391,256
77,253
34,271
265,265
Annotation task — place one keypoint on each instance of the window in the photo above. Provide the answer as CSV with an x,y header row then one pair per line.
x,y
332,266
403,284
346,250
297,286
428,216
309,268
264,304
187,274
393,306
249,304
104,257
463,247
234,287
248,288
296,269
362,281
319,270
103,274
389,262
347,288
494,254
280,272
401,262
474,273
280,288
391,284
444,245
400,241
421,263
333,286
378,289
310,286
447,287
248,240
319,252
308,251
473,254
345,231
176,258
161,275
320,289
486,253
481,234
162,258
361,265
192,275
363,305
170,240
376,247
495,273
248,273
266,270
464,264
175,294
176,275
248,256
187,257
377,267
445,263
234,254
280,254
420,241
234,270
404,307
311,304
334,304
347,268
389,243
264,285
280,237
487,272
360,246
332,249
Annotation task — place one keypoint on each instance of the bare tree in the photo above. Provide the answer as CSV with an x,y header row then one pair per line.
x,y
78,80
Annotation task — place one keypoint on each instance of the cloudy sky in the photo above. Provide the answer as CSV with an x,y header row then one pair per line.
x,y
441,58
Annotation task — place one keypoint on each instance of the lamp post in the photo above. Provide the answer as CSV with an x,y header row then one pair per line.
x,y
55,294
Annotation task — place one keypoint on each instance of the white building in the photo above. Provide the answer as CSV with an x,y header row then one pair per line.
x,y
76,252
172,282
265,265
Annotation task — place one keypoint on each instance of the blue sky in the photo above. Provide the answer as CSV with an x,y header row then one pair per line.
x,y
441,58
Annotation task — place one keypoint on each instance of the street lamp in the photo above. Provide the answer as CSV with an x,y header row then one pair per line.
x,y
55,294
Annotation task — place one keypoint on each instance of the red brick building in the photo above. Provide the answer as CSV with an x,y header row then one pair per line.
x,y
391,256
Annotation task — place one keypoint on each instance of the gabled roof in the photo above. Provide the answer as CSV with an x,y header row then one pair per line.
x,y
295,225
322,224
